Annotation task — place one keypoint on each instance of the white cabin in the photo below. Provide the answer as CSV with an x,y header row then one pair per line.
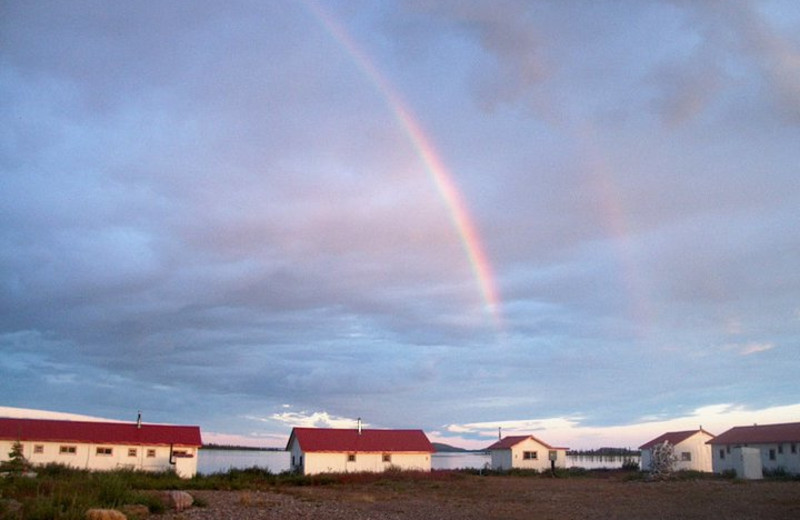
x,y
330,450
526,452
103,445
690,449
778,445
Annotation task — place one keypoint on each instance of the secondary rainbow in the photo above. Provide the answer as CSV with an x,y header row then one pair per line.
x,y
435,167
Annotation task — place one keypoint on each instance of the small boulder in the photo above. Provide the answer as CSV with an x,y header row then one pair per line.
x,y
104,514
179,500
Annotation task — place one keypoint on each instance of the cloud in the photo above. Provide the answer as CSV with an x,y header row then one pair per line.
x,y
754,348
313,420
576,434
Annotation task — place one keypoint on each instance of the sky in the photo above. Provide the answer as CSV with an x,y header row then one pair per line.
x,y
579,220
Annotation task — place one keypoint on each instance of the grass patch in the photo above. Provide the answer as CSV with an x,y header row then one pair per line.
x,y
59,492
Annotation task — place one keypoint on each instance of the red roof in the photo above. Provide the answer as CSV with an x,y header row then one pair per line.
x,y
350,440
760,434
672,438
98,432
506,443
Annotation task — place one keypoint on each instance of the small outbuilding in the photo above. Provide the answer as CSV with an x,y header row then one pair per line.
x,y
690,449
97,445
332,450
525,452
778,446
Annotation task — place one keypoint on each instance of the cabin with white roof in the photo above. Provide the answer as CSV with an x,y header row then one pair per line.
x,y
689,447
526,452
331,450
97,445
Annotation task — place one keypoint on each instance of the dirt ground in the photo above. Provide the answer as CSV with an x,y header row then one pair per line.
x,y
509,497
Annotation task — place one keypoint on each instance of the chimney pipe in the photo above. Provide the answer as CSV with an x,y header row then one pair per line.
x,y
499,433
359,425
139,420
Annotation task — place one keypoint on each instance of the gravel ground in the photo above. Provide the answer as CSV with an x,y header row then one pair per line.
x,y
473,497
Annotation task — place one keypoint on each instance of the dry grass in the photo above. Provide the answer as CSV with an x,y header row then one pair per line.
x,y
515,497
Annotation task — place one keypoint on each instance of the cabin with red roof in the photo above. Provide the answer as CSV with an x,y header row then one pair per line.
x,y
98,445
525,452
689,448
777,445
332,450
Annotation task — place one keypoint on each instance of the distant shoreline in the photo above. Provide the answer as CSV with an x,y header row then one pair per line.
x,y
228,447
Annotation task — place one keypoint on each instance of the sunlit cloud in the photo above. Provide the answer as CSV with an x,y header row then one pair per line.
x,y
313,420
755,348
573,433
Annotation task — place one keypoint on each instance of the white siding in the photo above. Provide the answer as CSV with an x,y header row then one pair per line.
x,y
86,456
723,456
699,453
501,460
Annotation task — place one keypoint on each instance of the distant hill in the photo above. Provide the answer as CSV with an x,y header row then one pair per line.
x,y
441,447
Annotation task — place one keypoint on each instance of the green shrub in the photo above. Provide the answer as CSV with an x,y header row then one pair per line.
x,y
154,504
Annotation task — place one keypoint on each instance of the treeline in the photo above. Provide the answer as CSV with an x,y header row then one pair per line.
x,y
212,446
606,452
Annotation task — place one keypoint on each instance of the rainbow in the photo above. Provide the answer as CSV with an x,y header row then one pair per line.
x,y
442,178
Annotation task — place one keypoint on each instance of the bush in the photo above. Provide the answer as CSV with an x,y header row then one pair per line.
x,y
630,465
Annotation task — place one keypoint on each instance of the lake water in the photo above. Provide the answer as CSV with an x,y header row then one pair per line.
x,y
215,461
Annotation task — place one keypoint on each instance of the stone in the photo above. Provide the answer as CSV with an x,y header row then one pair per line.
x,y
105,514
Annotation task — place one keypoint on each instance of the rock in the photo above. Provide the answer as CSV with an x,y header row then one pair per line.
x,y
179,500
104,514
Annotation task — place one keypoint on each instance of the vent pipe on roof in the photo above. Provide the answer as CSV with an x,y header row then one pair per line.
x,y
359,425
139,419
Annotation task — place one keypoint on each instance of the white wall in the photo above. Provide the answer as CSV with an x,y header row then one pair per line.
x,y
501,460
784,458
87,457
699,453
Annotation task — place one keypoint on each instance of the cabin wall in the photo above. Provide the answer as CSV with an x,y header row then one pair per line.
x,y
97,457
338,462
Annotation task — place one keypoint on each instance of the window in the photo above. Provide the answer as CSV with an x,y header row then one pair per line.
x,y
38,448
180,453
530,455
721,454
728,449
780,449
794,447
131,452
772,454
351,457
151,453
67,450
686,456
387,457
103,450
